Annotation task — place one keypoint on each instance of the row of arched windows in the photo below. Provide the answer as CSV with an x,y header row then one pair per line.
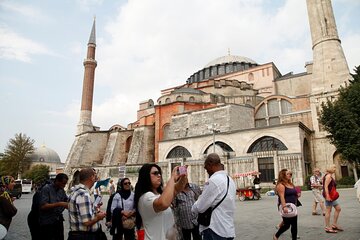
x,y
263,144
179,98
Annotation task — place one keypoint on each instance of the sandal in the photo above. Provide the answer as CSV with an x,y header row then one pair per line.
x,y
337,228
330,230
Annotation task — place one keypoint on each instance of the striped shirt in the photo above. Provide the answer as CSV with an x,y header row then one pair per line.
x,y
182,207
81,209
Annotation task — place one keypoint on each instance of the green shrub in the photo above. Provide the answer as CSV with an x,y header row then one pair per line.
x,y
307,184
346,181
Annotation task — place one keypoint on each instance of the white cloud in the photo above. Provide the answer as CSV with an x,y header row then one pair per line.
x,y
14,46
24,10
351,47
158,44
85,5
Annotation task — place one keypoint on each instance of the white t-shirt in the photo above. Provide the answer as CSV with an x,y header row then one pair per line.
x,y
155,224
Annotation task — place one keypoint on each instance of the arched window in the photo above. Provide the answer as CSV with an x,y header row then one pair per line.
x,y
222,145
191,99
128,144
167,100
178,152
269,113
179,98
266,144
166,128
251,77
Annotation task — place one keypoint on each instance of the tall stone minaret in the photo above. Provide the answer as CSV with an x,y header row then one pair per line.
x,y
330,71
90,64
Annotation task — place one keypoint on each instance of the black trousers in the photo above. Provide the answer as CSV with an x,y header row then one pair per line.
x,y
53,231
188,232
287,223
82,235
129,234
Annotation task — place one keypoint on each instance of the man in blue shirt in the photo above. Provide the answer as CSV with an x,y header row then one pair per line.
x,y
53,202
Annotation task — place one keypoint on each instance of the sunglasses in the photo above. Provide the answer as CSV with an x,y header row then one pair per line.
x,y
127,183
156,173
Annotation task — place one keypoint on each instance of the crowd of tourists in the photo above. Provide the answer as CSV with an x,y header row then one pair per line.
x,y
157,211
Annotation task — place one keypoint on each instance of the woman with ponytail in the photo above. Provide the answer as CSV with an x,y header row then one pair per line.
x,y
7,208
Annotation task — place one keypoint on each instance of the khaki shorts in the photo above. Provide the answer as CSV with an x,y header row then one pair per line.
x,y
317,195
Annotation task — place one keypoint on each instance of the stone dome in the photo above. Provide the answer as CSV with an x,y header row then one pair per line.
x,y
230,59
222,65
44,154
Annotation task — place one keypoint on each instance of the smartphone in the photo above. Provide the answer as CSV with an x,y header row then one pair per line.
x,y
182,170
97,201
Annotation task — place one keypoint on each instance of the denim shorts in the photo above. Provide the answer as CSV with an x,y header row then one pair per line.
x,y
331,203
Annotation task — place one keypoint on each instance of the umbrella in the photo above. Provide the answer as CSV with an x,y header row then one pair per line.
x,y
103,182
252,173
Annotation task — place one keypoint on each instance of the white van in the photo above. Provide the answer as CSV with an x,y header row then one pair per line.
x,y
26,185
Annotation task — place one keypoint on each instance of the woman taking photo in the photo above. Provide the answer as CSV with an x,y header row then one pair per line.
x,y
287,194
329,184
152,202
7,208
122,208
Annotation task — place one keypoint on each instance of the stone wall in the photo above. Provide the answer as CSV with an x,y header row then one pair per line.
x,y
226,118
142,146
240,140
298,85
87,148
115,152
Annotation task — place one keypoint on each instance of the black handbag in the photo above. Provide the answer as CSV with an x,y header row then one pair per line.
x,y
205,217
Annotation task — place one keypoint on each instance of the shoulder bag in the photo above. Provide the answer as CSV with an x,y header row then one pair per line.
x,y
205,217
292,210
333,194
127,223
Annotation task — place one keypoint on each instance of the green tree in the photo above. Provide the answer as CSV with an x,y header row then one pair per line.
x,y
16,159
38,173
341,119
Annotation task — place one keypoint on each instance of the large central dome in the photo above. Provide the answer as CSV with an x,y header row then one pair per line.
x,y
230,59
222,65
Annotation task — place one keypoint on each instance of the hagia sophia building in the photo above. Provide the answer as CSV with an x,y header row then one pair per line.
x,y
250,114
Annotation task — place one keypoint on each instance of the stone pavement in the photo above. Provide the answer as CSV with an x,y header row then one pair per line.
x,y
253,219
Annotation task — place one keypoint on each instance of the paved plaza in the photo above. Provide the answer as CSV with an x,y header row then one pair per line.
x,y
253,219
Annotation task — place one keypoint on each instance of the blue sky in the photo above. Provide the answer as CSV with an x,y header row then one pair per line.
x,y
142,47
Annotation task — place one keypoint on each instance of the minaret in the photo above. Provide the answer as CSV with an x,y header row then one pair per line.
x,y
330,72
90,64
330,69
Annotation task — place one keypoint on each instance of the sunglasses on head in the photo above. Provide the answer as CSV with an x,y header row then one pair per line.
x,y
156,173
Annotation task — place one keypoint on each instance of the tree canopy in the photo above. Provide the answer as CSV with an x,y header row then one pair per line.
x,y
15,159
38,173
341,118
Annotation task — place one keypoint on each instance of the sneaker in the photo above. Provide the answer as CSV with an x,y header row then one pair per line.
x,y
315,213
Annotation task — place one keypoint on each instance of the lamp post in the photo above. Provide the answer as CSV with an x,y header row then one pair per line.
x,y
214,130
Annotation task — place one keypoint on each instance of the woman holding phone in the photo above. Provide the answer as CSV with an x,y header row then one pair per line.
x,y
152,200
